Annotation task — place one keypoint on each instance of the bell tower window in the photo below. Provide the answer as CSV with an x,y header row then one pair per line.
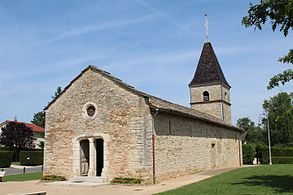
x,y
206,96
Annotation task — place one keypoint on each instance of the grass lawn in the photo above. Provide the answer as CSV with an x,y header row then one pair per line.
x,y
15,163
274,179
24,177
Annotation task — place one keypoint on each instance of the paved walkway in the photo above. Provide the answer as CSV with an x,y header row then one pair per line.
x,y
18,169
15,188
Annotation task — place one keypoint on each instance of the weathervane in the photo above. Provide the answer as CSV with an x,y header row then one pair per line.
x,y
206,24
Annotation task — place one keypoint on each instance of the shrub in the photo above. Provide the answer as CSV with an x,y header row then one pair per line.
x,y
290,144
248,153
282,160
265,155
259,148
280,155
282,151
31,157
117,180
5,158
4,149
53,178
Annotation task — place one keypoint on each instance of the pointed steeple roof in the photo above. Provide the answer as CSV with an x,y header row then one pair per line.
x,y
208,69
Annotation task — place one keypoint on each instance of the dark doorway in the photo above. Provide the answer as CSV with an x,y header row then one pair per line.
x,y
213,155
84,157
100,156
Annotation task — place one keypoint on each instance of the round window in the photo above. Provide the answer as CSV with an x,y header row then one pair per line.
x,y
91,110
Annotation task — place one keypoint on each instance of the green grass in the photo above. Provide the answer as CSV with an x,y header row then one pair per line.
x,y
15,163
275,179
24,177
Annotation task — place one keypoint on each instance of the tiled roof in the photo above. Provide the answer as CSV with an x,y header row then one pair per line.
x,y
208,69
35,128
155,102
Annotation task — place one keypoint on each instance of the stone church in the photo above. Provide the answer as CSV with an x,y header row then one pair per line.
x,y
101,127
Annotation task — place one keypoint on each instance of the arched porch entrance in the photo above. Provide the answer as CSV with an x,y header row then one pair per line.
x,y
91,157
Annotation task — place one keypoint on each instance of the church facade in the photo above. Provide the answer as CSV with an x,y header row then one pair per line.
x,y
101,127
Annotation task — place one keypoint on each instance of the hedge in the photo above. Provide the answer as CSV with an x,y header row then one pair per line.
x,y
280,155
282,151
248,153
282,160
5,158
48,178
118,180
31,157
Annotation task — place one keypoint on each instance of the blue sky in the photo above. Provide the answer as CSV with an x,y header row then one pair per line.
x,y
152,45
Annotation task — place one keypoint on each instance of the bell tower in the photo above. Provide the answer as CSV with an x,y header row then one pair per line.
x,y
209,89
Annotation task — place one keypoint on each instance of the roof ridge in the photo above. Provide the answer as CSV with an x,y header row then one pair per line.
x,y
205,116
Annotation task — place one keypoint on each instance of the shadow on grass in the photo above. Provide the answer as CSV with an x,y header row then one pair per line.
x,y
280,183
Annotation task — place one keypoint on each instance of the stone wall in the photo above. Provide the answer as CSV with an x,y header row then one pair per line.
x,y
184,146
123,118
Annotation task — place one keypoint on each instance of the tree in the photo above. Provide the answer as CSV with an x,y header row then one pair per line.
x,y
39,117
280,116
246,124
279,13
254,133
57,93
17,136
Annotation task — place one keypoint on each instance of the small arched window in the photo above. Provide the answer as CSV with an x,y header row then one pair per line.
x,y
206,96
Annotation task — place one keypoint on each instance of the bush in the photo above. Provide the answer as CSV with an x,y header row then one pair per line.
x,y
265,155
126,181
290,144
248,153
282,151
259,148
31,157
282,160
4,149
5,158
53,178
280,155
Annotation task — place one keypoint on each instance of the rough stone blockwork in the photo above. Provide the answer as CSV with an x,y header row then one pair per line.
x,y
122,116
186,140
185,146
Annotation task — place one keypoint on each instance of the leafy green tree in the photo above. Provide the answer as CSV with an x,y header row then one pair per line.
x,y
279,13
246,124
280,115
254,133
57,92
39,117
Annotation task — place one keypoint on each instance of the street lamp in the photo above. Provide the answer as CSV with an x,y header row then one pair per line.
x,y
269,134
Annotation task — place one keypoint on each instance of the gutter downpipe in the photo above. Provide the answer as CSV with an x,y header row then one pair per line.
x,y
153,144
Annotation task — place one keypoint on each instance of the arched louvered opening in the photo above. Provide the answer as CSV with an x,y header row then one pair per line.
x,y
206,96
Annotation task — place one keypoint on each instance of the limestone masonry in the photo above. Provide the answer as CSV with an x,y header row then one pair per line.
x,y
100,127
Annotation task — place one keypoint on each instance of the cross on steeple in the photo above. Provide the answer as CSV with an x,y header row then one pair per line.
x,y
206,24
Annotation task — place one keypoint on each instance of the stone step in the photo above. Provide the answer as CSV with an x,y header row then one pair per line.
x,y
88,180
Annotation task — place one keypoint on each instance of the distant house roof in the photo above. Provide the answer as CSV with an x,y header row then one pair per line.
x,y
35,128
208,69
155,102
